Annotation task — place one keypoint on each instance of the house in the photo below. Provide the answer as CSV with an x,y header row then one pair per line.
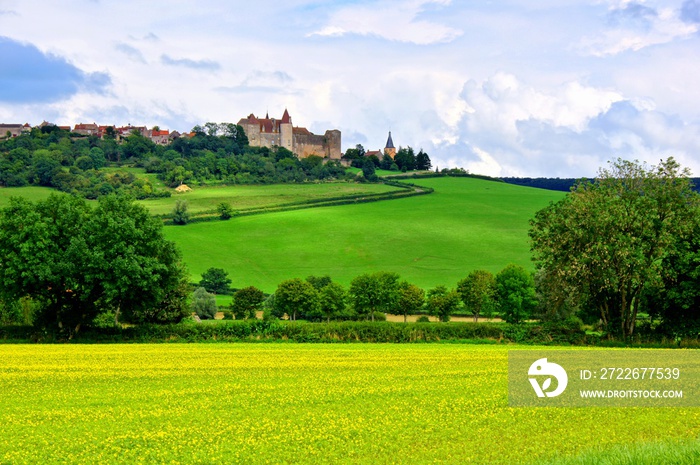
x,y
159,137
90,129
13,130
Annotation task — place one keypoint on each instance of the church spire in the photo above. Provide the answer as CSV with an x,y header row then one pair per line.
x,y
389,142
390,149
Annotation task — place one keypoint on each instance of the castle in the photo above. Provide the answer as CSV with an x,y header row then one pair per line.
x,y
269,132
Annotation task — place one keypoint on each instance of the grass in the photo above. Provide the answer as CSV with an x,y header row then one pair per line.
x,y
295,403
202,199
677,452
434,239
33,193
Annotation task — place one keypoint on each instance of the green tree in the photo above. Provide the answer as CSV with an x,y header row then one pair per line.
x,y
75,261
411,299
442,303
319,282
294,297
216,281
386,162
405,159
376,292
225,210
180,214
247,302
607,240
368,170
332,300
204,304
141,275
478,292
423,161
515,292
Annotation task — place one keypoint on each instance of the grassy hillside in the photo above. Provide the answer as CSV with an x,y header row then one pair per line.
x,y
433,239
32,193
243,197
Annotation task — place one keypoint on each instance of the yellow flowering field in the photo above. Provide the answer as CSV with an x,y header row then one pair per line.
x,y
292,403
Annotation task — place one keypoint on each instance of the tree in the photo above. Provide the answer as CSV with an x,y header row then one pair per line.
x,y
180,214
247,302
423,161
606,240
216,280
376,292
319,282
225,210
204,304
442,303
294,297
405,159
141,275
368,170
411,299
386,162
515,292
332,300
76,262
478,292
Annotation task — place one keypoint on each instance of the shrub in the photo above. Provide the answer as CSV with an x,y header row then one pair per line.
x,y
204,304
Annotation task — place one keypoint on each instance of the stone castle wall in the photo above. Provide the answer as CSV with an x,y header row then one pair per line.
x,y
300,141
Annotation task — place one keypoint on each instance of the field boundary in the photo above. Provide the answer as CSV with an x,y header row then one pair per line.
x,y
405,190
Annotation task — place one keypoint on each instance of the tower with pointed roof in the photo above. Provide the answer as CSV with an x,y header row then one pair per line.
x,y
286,132
390,149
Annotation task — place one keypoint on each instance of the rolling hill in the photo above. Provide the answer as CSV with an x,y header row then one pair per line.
x,y
434,239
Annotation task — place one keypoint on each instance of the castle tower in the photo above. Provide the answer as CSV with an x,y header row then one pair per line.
x,y
286,132
390,149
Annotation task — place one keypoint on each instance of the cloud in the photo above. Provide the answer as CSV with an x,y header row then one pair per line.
x,y
637,26
514,129
390,20
189,63
132,52
265,82
30,76
690,11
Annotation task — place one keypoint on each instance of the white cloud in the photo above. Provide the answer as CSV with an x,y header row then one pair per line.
x,y
636,27
397,21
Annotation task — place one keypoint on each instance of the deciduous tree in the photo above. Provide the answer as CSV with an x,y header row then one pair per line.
x,y
515,291
478,292
247,302
607,239
442,303
411,299
216,280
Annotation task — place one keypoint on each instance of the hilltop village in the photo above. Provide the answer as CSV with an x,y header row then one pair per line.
x,y
260,132
254,151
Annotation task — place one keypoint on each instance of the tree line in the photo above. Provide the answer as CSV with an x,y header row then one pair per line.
x,y
509,294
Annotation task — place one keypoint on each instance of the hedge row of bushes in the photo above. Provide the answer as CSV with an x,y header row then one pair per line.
x,y
346,331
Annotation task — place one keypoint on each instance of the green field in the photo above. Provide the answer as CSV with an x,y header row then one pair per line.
x,y
295,403
33,193
202,199
432,239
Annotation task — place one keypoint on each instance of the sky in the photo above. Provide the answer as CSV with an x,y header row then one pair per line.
x,y
503,88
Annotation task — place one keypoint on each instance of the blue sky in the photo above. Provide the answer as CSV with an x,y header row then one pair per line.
x,y
505,88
